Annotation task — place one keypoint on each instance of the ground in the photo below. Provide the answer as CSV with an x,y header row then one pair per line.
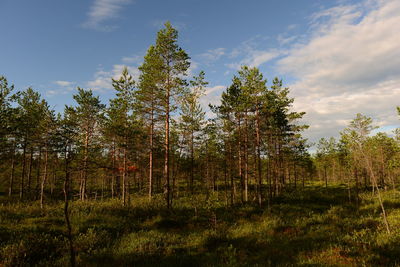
x,y
314,226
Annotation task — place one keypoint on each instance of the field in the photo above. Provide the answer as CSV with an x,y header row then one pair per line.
x,y
314,226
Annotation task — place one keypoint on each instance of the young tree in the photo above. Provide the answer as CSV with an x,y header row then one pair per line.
x,y
121,108
87,114
192,117
356,137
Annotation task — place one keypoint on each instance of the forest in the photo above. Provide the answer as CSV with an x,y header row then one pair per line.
x,y
153,179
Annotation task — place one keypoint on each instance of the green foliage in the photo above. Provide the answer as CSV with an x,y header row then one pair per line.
x,y
311,226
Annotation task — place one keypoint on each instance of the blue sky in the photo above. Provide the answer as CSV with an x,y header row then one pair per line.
x,y
338,57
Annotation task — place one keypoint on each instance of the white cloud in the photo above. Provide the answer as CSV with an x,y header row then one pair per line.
x,y
64,83
102,79
212,55
350,64
103,10
283,39
133,59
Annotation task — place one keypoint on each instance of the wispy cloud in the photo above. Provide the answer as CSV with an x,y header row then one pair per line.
x,y
101,11
64,83
212,55
255,58
133,59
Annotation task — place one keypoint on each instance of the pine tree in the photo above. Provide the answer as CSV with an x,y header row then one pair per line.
x,y
121,119
175,63
87,114
149,101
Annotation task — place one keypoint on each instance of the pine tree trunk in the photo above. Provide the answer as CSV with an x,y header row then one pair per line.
x,y
124,178
259,170
295,174
246,163
233,191
38,174
151,155
11,184
85,165
166,148
326,177
21,189
113,171
66,206
191,161
30,172
240,160
44,177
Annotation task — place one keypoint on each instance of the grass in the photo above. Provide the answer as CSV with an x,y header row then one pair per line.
x,y
310,227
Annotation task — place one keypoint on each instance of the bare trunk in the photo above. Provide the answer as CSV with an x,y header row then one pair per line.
x,y
259,170
30,171
113,171
124,179
38,174
375,184
231,173
85,164
66,206
191,161
151,156
246,163
295,174
240,159
44,177
10,187
167,190
21,189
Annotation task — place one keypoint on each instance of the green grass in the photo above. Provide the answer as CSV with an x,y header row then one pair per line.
x,y
310,227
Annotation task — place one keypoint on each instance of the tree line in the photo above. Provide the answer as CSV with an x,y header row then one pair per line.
x,y
153,137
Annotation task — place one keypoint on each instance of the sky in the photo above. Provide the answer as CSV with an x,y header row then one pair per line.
x,y
337,57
